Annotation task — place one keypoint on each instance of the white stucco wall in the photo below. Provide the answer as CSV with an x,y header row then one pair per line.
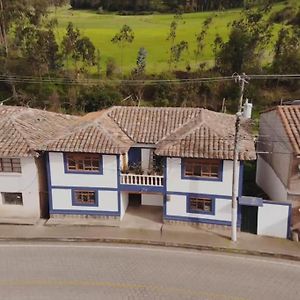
x,y
267,179
62,184
153,199
124,203
60,178
26,183
176,206
176,184
272,220
62,200
145,157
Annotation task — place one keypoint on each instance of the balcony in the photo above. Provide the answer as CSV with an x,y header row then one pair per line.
x,y
140,179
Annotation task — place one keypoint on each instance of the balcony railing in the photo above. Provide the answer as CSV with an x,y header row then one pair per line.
x,y
135,179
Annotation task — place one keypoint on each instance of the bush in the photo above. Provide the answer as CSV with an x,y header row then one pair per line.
x,y
111,67
98,97
284,16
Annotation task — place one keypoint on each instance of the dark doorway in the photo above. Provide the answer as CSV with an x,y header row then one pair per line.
x,y
249,219
134,199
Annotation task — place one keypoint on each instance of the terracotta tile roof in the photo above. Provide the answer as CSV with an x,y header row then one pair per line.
x,y
24,130
185,132
209,136
93,133
151,124
290,117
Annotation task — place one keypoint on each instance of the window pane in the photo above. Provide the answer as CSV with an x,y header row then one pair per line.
x,y
200,204
12,198
10,165
85,197
197,170
202,167
83,162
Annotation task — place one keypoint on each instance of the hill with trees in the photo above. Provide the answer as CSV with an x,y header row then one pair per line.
x,y
45,67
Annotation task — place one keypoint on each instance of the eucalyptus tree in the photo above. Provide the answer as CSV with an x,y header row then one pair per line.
x,y
77,48
200,37
123,38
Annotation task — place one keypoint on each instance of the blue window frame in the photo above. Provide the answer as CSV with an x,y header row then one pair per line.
x,y
202,169
83,163
199,204
84,197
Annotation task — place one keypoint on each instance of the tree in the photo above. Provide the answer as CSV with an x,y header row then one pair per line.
x,y
171,37
111,67
200,37
247,42
78,48
137,90
26,12
217,45
172,33
69,43
123,38
177,51
287,52
141,62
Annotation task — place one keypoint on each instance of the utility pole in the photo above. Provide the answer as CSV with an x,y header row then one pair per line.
x,y
235,177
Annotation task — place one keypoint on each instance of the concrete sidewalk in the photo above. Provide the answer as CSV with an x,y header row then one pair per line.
x,y
169,235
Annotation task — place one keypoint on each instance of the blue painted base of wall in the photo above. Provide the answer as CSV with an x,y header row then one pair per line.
x,y
197,220
85,212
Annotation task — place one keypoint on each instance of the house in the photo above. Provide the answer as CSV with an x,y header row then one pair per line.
x,y
278,165
23,185
179,160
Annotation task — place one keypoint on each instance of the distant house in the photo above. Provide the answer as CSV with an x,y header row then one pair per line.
x,y
177,159
278,166
23,185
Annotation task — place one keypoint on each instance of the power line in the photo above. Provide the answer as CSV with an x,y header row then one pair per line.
x,y
93,81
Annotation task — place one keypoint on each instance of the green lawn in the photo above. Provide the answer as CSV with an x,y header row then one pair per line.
x,y
150,32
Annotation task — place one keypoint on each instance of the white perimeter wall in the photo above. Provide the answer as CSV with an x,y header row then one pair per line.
x,y
124,203
153,199
267,179
176,206
176,184
272,220
26,183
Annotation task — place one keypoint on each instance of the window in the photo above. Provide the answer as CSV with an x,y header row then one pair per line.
x,y
209,168
10,165
89,163
200,205
12,198
85,197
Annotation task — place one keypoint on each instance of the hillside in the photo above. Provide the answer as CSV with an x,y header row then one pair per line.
x,y
150,32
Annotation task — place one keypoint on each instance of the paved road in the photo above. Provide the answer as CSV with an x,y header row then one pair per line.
x,y
83,271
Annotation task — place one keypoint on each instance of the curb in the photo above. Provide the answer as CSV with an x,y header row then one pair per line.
x,y
159,244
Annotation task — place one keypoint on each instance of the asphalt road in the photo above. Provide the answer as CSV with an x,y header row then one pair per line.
x,y
83,271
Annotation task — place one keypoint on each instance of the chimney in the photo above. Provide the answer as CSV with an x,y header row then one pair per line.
x,y
247,109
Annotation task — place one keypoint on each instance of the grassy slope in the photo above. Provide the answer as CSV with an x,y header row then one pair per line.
x,y
150,32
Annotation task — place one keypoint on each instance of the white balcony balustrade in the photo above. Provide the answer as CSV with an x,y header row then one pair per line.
x,y
135,179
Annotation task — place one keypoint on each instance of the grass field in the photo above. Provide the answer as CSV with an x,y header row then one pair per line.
x,y
150,32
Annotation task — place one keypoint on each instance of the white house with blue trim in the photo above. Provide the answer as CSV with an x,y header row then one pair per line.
x,y
23,180
179,160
